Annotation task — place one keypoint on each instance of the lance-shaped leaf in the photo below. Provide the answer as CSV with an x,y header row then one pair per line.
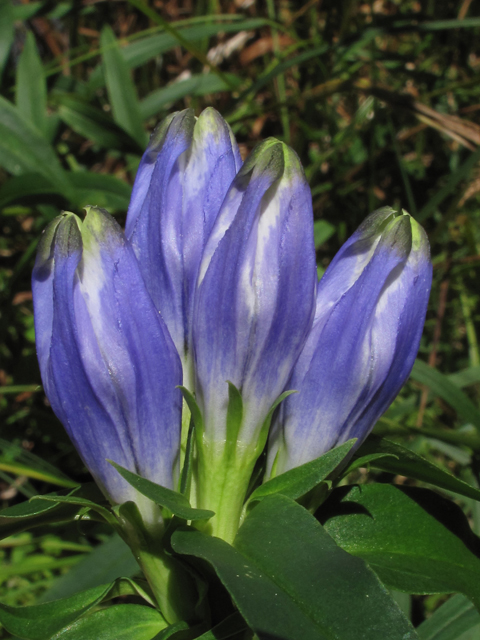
x,y
371,306
108,365
181,182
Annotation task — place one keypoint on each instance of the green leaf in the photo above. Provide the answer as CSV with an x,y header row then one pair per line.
x,y
7,33
415,540
120,622
22,12
26,186
31,88
42,621
100,189
198,85
173,501
457,619
365,461
322,231
441,386
110,560
86,496
15,459
140,51
440,25
26,515
399,460
23,149
462,173
300,480
465,377
291,580
94,124
121,90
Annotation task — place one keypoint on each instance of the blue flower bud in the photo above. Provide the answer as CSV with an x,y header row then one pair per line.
x,y
181,182
256,291
108,364
371,306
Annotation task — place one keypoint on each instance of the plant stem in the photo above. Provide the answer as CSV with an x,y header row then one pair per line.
x,y
223,479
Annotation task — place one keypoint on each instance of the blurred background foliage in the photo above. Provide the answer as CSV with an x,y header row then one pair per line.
x,y
381,100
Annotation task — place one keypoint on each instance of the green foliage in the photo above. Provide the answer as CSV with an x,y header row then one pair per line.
x,y
302,599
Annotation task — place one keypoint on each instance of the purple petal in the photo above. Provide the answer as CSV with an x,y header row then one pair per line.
x,y
181,184
256,289
111,370
371,307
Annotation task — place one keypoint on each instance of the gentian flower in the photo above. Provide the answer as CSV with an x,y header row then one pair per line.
x,y
108,364
370,310
180,185
254,308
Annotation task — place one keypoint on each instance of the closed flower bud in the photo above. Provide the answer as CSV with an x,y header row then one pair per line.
x,y
181,182
108,364
256,291
370,311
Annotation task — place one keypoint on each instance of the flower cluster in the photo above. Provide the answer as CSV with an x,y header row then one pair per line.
x,y
213,287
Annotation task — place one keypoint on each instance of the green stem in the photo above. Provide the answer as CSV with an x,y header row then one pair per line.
x,y
170,583
222,483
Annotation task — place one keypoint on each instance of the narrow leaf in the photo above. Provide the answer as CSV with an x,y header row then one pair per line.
x,y
457,619
23,149
31,88
103,190
175,502
197,85
441,386
300,480
121,89
7,33
94,124
322,231
402,461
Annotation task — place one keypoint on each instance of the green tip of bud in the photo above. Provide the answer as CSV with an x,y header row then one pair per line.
x,y
184,121
99,229
68,238
274,158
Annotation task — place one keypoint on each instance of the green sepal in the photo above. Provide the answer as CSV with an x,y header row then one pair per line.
x,y
175,502
401,461
266,423
186,475
234,417
300,480
194,409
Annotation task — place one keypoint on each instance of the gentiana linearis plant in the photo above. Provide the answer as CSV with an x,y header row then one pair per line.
x,y
217,392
